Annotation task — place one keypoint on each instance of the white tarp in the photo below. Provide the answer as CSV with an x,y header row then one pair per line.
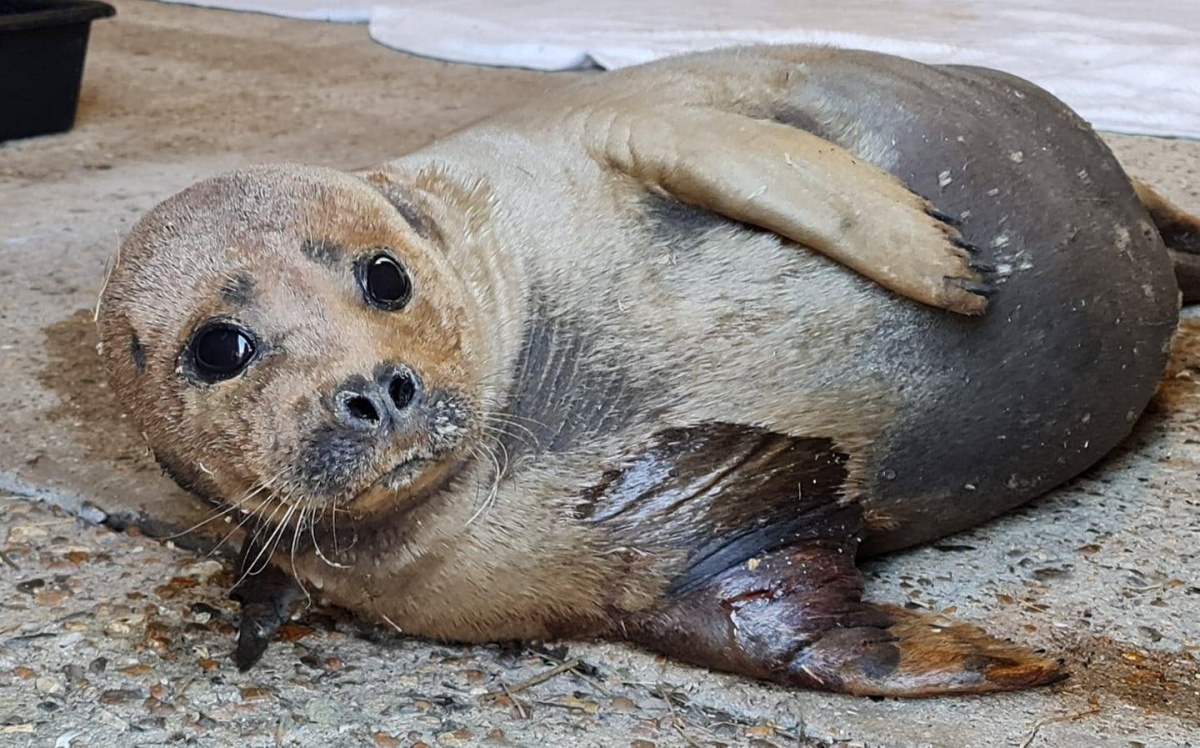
x,y
1126,65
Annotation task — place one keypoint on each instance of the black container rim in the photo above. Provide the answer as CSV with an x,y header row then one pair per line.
x,y
42,14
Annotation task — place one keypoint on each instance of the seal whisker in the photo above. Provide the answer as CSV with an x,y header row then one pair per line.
x,y
337,549
497,474
501,469
258,513
109,268
316,544
299,528
519,431
228,509
231,507
497,412
333,527
477,456
268,548
276,538
498,434
253,568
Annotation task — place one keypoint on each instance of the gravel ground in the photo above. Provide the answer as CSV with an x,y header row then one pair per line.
x,y
117,639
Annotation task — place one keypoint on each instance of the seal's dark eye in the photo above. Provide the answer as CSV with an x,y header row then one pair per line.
x,y
221,351
385,282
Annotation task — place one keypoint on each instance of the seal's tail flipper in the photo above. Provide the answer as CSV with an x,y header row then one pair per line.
x,y
1181,233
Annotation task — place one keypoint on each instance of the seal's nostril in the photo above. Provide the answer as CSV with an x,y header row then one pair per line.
x,y
402,389
362,409
377,405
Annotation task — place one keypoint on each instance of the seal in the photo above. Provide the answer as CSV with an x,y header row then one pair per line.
x,y
658,358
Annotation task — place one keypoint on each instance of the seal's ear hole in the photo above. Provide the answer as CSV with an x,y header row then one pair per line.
x,y
385,283
220,350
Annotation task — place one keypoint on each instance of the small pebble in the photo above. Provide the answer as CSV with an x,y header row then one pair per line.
x,y
622,704
321,711
50,685
29,586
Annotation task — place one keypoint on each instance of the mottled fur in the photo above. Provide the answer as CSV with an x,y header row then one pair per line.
x,y
656,295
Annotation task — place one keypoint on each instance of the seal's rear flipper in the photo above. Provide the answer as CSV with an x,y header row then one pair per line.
x,y
796,617
267,595
1180,231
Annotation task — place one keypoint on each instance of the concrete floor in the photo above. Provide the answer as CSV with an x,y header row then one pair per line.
x,y
112,639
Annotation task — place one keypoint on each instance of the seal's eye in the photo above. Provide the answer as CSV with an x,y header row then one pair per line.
x,y
385,282
221,351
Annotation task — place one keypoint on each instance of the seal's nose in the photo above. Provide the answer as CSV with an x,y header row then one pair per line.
x,y
368,405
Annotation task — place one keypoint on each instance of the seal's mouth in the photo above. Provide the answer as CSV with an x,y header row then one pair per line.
x,y
365,469
411,480
404,473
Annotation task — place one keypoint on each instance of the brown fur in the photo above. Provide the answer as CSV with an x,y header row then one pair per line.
x,y
600,281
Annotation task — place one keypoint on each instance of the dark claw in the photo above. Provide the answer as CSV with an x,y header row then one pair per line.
x,y
982,267
986,290
963,244
944,217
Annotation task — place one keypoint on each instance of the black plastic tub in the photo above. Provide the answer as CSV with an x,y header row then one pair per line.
x,y
42,46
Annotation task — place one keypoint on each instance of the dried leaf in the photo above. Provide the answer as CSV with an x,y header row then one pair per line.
x,y
255,693
116,696
383,740
291,631
587,707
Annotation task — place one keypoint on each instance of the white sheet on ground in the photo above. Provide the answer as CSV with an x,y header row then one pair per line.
x,y
1125,65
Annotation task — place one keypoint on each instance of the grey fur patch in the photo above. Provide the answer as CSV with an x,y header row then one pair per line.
x,y
322,251
676,224
238,290
421,223
411,212
799,119
332,457
563,393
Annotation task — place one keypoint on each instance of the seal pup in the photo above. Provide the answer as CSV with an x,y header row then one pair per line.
x,y
657,358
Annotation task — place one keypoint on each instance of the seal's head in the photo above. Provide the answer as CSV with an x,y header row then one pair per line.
x,y
293,334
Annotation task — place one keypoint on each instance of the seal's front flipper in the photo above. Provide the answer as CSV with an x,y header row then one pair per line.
x,y
800,186
267,595
796,617
1180,231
